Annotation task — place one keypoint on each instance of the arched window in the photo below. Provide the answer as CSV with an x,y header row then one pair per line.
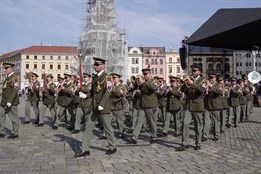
x,y
210,66
135,52
227,67
218,67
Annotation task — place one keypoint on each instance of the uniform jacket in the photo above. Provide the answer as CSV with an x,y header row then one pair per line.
x,y
234,96
162,97
49,95
214,98
86,102
101,92
10,91
195,96
243,96
149,97
34,93
174,98
249,92
66,94
117,98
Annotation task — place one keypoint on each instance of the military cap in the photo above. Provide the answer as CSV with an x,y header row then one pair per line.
x,y
244,77
239,80
196,67
212,74
220,77
7,65
60,78
145,70
115,75
34,74
173,78
86,74
99,60
233,79
66,74
49,75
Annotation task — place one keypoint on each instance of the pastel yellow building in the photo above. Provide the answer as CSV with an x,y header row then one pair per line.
x,y
40,59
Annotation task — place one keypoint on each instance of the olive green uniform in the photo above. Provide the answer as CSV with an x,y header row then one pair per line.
x,y
10,95
33,100
48,102
234,107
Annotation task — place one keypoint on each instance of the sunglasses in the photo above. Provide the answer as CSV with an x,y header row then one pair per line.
x,y
97,64
173,81
6,67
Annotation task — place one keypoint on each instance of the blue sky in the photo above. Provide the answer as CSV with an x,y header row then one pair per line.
x,y
147,22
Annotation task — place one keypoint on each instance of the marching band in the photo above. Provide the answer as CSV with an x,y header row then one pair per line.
x,y
213,103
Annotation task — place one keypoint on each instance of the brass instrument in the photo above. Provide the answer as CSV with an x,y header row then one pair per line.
x,y
186,79
28,75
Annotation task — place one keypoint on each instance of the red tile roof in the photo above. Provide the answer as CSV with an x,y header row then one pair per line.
x,y
42,49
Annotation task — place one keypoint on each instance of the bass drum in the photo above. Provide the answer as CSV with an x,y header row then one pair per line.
x,y
254,77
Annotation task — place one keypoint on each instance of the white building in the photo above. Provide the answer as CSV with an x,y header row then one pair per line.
x,y
134,65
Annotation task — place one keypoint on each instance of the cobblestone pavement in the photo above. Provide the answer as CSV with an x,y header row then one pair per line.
x,y
43,150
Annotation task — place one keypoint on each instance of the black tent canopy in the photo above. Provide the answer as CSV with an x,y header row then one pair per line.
x,y
238,29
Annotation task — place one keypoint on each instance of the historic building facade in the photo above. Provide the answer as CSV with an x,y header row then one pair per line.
x,y
134,62
40,59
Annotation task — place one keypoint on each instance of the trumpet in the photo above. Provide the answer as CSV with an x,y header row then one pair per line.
x,y
28,75
188,80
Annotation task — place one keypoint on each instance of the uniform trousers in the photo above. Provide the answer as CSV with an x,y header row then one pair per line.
x,y
234,113
80,114
119,117
223,117
214,116
12,112
43,109
206,124
176,117
150,115
90,123
61,111
249,108
28,106
243,109
197,118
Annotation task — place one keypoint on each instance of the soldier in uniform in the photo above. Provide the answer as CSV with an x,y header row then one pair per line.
x,y
249,95
33,99
233,102
9,102
214,104
149,104
84,109
243,99
66,93
162,98
48,99
173,106
224,97
102,86
194,107
117,103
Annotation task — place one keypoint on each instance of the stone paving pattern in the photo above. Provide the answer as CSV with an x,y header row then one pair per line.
x,y
43,150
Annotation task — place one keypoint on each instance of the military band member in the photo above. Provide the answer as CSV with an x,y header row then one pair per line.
x,y
84,109
233,102
117,103
102,86
66,93
243,99
224,97
249,96
149,104
48,99
9,101
33,99
214,104
173,106
194,107
162,98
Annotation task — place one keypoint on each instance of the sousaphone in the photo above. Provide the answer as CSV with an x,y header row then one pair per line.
x,y
254,77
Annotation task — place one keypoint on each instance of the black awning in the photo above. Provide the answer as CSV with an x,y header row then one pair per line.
x,y
238,29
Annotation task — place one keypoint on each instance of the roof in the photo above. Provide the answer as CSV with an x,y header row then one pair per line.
x,y
230,28
42,49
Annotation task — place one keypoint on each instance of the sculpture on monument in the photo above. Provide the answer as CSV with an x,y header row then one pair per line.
x,y
102,38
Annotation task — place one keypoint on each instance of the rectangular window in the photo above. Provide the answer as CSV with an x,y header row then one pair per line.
x,y
170,60
156,70
152,61
237,73
132,70
249,64
156,62
66,67
137,61
240,64
152,70
59,66
170,69
147,61
43,57
137,70
246,63
59,57
27,66
51,66
43,66
51,57
66,58
161,70
35,66
27,56
35,57
161,61
178,69
133,61
178,59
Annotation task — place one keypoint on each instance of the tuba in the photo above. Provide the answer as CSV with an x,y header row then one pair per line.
x,y
254,77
